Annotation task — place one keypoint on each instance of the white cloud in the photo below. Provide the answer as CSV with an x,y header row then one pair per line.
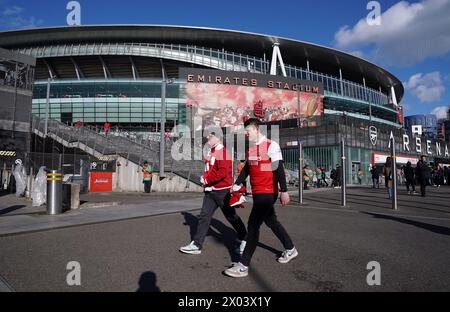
x,y
409,32
13,10
440,112
427,88
13,17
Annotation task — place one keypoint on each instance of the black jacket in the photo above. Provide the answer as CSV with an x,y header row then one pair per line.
x,y
375,173
409,172
423,170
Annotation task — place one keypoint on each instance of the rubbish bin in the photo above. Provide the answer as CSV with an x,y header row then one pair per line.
x,y
54,192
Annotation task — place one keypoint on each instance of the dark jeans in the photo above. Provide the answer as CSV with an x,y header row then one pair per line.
x,y
410,182
263,211
334,182
211,201
147,186
423,186
376,181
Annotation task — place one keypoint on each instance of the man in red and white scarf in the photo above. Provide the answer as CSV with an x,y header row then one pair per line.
x,y
217,181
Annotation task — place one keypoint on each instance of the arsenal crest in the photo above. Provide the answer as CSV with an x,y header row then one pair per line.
x,y
258,109
373,134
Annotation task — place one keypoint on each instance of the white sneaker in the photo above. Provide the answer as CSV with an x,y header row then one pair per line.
x,y
242,247
191,249
237,270
288,255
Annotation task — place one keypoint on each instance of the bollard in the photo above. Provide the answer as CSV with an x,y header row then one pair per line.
x,y
54,192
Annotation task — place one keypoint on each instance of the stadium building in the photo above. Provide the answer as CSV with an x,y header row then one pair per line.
x,y
120,73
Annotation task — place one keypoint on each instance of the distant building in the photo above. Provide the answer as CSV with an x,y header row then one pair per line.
x,y
16,85
428,122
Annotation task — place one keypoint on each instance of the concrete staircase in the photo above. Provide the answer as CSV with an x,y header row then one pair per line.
x,y
91,141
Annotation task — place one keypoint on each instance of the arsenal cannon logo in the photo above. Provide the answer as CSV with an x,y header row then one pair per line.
x,y
373,135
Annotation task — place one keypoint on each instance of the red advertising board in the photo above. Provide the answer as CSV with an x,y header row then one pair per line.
x,y
400,115
101,181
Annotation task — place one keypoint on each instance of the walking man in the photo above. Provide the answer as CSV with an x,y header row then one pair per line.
x,y
423,174
306,177
408,171
107,127
217,182
375,176
266,171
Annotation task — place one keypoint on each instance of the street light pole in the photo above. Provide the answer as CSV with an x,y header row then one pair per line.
x,y
162,129
47,104
300,152
300,174
343,177
16,74
394,173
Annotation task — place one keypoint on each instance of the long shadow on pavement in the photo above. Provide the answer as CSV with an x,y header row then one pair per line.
x,y
224,234
147,282
430,227
227,236
10,209
411,201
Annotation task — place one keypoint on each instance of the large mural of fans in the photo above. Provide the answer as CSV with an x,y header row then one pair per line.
x,y
231,105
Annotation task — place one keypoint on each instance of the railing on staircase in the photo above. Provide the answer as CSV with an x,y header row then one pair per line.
x,y
92,140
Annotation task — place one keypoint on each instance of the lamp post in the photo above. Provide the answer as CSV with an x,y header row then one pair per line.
x,y
162,146
47,107
394,172
343,175
300,152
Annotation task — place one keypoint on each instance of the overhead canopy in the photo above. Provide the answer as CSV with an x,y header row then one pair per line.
x,y
322,59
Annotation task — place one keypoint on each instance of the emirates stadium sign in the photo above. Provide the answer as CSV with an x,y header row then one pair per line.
x,y
226,99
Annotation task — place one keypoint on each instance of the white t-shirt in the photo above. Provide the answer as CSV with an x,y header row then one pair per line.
x,y
274,151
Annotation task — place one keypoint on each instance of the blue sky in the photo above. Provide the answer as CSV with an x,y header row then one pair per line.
x,y
412,41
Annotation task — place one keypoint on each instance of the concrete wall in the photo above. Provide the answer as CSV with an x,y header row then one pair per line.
x,y
129,177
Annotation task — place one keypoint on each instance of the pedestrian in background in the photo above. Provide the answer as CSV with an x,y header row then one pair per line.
x,y
388,176
438,176
324,176
306,177
106,127
375,177
339,175
333,174
408,172
423,174
446,175
360,175
319,176
147,169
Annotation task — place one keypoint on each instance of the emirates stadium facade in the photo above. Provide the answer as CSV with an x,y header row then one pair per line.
x,y
116,73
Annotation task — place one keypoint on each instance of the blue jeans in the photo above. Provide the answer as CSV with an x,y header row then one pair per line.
x,y
390,191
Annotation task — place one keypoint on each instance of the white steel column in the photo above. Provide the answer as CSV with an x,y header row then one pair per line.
x,y
276,54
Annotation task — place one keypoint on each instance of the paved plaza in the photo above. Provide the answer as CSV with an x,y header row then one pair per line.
x,y
131,244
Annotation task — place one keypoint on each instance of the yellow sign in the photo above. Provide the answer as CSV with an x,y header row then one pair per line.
x,y
8,153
